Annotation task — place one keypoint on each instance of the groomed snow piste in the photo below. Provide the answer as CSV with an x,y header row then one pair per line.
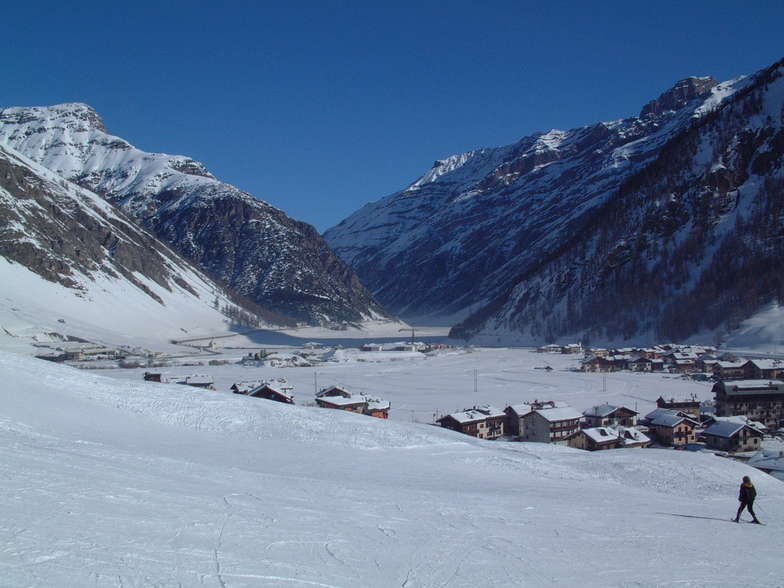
x,y
114,483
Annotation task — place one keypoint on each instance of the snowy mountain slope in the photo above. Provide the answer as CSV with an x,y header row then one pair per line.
x,y
109,483
689,244
468,231
470,225
248,244
68,255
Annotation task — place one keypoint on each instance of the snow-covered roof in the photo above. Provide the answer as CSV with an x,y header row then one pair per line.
x,y
670,420
477,414
601,434
739,387
275,387
340,388
731,364
602,410
558,413
724,429
378,404
659,412
342,400
631,436
767,364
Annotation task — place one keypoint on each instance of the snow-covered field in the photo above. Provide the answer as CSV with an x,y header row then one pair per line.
x,y
419,386
109,482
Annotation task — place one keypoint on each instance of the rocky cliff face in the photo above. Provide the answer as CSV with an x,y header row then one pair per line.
x,y
73,237
246,243
644,227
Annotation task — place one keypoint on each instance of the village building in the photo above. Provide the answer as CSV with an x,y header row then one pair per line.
x,y
273,391
543,422
689,407
609,415
341,398
632,437
670,427
732,436
729,370
759,400
484,422
769,369
596,439
641,364
350,404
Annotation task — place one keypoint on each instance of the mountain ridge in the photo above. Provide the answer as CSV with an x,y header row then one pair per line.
x,y
248,244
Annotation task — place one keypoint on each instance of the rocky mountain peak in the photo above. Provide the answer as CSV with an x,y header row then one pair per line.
x,y
68,111
683,92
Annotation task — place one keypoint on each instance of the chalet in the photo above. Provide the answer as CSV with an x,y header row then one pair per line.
x,y
596,439
543,422
657,365
670,427
199,381
632,437
484,422
606,415
688,407
339,397
759,400
769,369
597,351
378,408
273,391
552,348
350,404
641,364
732,436
729,370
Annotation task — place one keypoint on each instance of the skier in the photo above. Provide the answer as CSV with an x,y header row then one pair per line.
x,y
746,496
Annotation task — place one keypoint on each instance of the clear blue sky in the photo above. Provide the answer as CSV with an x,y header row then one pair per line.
x,y
320,107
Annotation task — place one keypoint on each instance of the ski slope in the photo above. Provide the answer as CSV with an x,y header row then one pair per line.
x,y
125,483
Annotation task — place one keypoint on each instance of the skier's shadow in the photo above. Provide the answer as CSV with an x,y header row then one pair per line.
x,y
673,514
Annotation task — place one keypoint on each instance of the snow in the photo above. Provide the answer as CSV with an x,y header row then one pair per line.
x,y
115,483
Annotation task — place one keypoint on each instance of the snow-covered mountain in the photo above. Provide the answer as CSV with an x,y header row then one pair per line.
x,y
665,224
68,255
246,243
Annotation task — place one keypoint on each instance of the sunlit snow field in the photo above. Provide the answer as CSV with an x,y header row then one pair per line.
x,y
112,481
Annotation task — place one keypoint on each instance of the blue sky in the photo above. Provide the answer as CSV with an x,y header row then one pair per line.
x,y
320,107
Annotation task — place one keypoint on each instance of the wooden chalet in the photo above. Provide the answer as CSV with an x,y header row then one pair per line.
x,y
350,404
273,391
689,407
596,439
671,427
769,369
605,415
484,422
732,436
729,370
341,398
758,400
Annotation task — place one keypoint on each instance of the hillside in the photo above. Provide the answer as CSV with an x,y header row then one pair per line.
x,y
247,244
643,228
111,483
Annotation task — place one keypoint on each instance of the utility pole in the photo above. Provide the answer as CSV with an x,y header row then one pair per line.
x,y
315,383
412,329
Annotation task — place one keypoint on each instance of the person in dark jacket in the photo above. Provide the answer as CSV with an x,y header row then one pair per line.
x,y
746,496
